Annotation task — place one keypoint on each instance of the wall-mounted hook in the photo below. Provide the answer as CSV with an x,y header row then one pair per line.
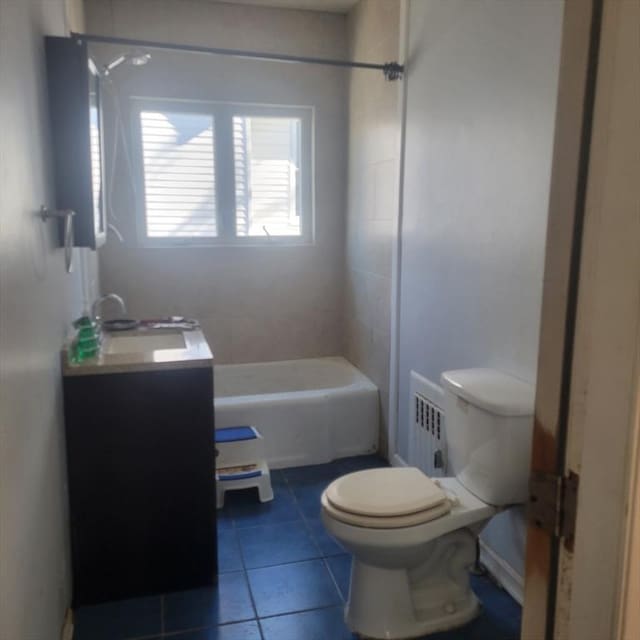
x,y
67,216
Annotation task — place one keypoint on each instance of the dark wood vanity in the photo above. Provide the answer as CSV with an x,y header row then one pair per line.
x,y
140,459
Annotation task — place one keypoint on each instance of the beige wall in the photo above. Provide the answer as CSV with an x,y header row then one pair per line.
x,y
37,301
255,303
372,210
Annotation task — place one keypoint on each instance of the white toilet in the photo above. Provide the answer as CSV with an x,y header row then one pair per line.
x,y
413,539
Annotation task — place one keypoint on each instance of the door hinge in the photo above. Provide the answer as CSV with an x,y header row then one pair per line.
x,y
553,502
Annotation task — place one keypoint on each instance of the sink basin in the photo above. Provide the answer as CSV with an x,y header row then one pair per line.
x,y
143,343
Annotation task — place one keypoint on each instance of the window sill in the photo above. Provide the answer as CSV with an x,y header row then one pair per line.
x,y
226,244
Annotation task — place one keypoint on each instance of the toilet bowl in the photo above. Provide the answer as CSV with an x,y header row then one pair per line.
x,y
409,575
413,538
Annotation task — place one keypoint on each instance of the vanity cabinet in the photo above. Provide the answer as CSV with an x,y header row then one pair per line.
x,y
141,472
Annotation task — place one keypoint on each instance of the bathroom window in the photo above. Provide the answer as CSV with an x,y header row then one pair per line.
x,y
223,174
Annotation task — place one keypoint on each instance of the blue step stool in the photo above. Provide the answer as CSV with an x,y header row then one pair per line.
x,y
241,463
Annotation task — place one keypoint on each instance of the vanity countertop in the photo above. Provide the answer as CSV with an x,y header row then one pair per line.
x,y
143,350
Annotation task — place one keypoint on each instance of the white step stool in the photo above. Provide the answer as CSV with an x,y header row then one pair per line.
x,y
240,463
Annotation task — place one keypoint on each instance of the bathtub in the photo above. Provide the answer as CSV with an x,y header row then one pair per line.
x,y
308,411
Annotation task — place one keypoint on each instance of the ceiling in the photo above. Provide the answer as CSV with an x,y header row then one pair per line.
x,y
333,6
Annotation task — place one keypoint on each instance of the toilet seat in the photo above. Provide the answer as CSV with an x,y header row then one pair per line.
x,y
382,522
385,498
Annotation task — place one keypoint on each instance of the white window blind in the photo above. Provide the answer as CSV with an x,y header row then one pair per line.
x,y
267,164
215,173
179,174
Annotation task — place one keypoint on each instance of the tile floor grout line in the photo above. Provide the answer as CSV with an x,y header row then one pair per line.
x,y
297,611
236,541
285,564
306,524
246,575
260,629
274,524
269,524
171,634
248,582
335,581
266,525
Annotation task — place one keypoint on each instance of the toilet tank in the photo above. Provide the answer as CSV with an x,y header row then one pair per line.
x,y
489,426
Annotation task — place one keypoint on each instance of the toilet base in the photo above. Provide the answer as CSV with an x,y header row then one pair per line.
x,y
399,604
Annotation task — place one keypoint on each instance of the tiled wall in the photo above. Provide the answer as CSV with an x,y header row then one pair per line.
x,y
255,303
372,209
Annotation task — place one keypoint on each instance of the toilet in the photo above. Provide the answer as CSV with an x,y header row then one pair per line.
x,y
413,538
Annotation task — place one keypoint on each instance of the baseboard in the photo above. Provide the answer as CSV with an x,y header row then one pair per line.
x,y
503,572
67,627
398,461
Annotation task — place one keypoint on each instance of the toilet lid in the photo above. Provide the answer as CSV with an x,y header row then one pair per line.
x,y
385,493
377,522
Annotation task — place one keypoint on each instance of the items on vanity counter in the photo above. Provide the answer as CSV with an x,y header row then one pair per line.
x,y
140,444
86,343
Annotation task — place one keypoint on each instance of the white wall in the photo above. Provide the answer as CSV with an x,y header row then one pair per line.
x,y
255,303
480,116
37,301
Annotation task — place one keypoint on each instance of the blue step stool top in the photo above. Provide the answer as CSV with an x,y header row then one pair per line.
x,y
240,476
235,434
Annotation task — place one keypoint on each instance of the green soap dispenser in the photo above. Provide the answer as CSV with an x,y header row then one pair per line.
x,y
86,344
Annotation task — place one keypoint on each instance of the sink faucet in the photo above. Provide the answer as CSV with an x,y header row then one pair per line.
x,y
110,296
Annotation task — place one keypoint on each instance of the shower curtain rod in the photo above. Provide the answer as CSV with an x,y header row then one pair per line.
x,y
391,70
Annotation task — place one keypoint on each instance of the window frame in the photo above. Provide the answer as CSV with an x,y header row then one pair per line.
x,y
224,166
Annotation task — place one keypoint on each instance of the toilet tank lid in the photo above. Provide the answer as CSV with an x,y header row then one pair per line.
x,y
491,390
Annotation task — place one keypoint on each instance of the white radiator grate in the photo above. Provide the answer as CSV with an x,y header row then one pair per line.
x,y
427,427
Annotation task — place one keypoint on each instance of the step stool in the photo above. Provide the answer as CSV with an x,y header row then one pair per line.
x,y
240,463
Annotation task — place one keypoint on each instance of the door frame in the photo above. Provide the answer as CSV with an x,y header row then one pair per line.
x,y
574,117
589,368
628,618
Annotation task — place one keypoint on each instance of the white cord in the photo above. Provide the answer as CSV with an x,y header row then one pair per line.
x,y
115,231
119,135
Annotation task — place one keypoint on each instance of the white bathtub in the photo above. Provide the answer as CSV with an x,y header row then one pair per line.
x,y
309,411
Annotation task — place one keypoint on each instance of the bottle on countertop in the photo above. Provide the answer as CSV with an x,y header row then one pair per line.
x,y
86,343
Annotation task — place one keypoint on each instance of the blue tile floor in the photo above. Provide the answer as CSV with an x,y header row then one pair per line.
x,y
281,578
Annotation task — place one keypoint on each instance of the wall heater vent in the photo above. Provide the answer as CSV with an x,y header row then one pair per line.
x,y
427,427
